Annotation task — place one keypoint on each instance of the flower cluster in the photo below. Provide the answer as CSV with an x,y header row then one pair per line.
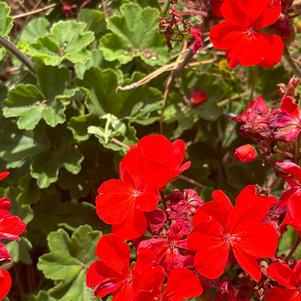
x,y
272,128
11,227
183,247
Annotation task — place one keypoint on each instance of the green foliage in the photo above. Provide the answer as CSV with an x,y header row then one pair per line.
x,y
6,24
67,261
133,34
32,103
68,40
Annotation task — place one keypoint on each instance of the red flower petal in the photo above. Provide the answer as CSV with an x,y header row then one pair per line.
x,y
282,273
250,49
283,294
147,201
270,14
102,279
288,106
212,255
133,226
247,12
263,235
4,175
4,254
125,293
5,283
248,263
293,216
182,284
249,208
11,227
114,201
225,35
291,169
114,252
274,52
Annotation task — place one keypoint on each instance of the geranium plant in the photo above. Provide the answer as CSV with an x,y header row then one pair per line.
x,y
153,150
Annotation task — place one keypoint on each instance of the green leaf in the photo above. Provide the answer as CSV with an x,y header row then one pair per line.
x,y
32,103
60,153
16,147
134,33
6,24
94,19
103,84
19,250
67,261
79,126
63,214
68,40
41,296
29,192
34,29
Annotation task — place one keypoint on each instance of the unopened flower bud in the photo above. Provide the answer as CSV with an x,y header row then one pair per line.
x,y
245,153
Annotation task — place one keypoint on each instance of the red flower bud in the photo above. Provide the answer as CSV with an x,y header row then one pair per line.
x,y
245,153
197,96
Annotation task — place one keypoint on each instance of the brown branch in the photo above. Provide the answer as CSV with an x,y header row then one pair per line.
x,y
293,249
15,51
158,72
295,68
34,12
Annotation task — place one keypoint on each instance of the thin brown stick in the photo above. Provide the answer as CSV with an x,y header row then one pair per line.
x,y
293,249
15,51
34,12
295,68
119,143
191,181
158,72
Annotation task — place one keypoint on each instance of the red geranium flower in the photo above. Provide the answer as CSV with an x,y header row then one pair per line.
x,y
219,227
168,249
289,278
286,121
112,273
255,120
240,36
245,153
11,226
5,283
156,158
144,170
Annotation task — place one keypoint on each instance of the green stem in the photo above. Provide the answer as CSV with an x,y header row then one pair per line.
x,y
291,63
